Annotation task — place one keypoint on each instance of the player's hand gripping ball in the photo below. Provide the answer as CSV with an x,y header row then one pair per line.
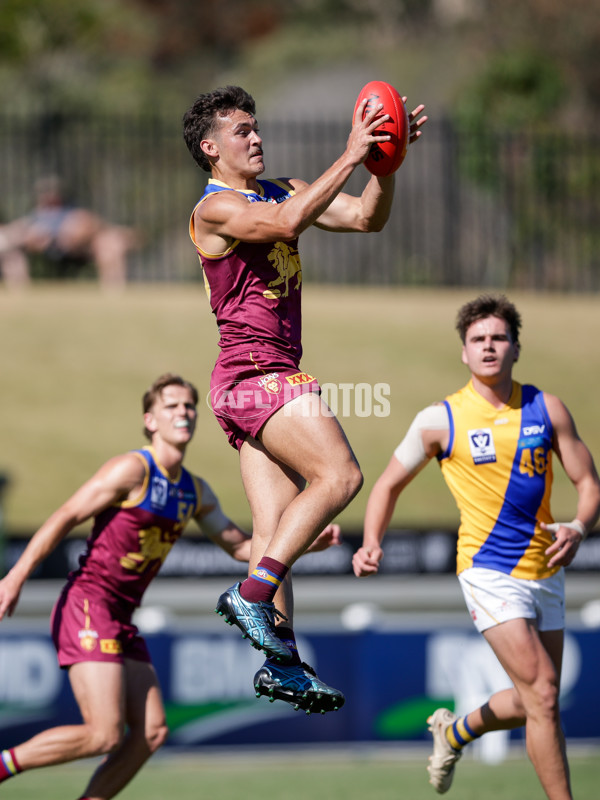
x,y
385,157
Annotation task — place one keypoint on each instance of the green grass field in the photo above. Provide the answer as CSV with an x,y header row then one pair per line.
x,y
297,776
75,361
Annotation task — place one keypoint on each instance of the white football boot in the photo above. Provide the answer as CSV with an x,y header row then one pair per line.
x,y
444,757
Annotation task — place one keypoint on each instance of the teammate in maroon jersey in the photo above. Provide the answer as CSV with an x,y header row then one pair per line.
x,y
298,469
141,502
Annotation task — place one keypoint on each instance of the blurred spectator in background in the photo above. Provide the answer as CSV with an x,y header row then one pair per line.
x,y
64,235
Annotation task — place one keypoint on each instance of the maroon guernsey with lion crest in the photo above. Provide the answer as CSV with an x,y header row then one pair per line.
x,y
254,290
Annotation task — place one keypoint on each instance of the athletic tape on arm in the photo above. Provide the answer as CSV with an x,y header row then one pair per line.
x,y
575,525
411,451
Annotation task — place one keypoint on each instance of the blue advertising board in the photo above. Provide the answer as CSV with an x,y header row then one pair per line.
x,y
392,681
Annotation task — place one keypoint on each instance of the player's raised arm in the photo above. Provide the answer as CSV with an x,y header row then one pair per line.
x,y
233,218
370,211
367,213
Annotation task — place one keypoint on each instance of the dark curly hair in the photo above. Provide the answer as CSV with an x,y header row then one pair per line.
x,y
199,120
487,305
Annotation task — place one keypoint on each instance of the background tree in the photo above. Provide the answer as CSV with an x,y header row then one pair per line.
x,y
503,61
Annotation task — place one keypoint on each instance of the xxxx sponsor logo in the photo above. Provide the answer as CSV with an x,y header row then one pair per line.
x,y
110,646
298,378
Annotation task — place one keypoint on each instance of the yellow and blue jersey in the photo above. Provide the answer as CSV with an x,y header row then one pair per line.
x,y
498,466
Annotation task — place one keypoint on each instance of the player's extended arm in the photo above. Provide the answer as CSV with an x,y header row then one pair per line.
x,y
230,216
579,466
427,436
365,214
380,507
113,481
371,210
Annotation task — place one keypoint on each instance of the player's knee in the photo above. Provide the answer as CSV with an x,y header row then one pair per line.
x,y
548,694
105,741
348,483
544,699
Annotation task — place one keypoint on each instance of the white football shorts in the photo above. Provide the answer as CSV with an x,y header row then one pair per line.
x,y
493,597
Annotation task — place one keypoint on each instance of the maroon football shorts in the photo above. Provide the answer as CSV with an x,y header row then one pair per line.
x,y
90,626
247,387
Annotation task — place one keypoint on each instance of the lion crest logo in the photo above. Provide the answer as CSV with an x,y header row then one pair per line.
x,y
287,263
155,545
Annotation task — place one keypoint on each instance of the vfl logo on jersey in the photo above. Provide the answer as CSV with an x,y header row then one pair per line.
x,y
287,263
159,492
482,446
181,494
299,377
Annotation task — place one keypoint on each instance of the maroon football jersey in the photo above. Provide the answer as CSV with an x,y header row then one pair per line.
x,y
255,289
130,540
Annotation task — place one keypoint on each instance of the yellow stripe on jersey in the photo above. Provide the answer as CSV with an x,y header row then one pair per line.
x,y
144,488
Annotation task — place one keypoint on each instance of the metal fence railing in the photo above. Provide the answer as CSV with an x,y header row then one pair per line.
x,y
476,209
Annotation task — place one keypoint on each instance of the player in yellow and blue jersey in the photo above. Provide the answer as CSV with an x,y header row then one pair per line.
x,y
494,440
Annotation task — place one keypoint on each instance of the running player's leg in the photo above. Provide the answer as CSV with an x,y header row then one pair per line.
x,y
99,690
504,710
533,660
147,731
533,656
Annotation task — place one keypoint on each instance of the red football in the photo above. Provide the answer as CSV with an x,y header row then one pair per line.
x,y
385,157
